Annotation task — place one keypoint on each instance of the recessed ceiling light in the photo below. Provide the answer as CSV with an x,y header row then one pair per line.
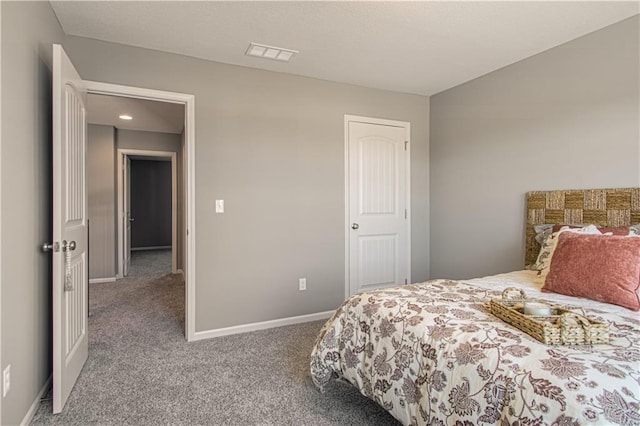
x,y
270,52
126,117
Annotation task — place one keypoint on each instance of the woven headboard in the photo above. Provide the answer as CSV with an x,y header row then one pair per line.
x,y
604,207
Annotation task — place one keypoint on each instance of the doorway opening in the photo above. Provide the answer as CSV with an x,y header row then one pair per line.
x,y
183,187
148,206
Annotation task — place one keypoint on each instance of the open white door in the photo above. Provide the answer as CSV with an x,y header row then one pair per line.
x,y
70,228
126,215
378,204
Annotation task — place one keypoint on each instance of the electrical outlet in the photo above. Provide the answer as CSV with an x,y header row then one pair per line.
x,y
6,380
302,284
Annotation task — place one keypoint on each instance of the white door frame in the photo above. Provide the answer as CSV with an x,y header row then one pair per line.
x,y
190,173
122,153
1,364
347,196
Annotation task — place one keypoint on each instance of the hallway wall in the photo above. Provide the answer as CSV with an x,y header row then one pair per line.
x,y
101,190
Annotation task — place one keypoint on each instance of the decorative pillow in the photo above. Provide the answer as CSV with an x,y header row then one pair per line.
x,y
549,243
599,267
544,230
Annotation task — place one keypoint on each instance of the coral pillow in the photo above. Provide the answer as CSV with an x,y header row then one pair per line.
x,y
546,252
599,267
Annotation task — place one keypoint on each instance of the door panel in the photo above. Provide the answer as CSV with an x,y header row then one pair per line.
x,y
75,301
378,260
378,176
70,229
378,236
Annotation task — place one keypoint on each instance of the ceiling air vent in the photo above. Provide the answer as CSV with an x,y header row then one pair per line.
x,y
270,52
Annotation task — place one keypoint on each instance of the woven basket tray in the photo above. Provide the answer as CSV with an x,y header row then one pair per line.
x,y
562,327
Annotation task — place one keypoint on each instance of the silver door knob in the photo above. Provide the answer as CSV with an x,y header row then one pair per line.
x,y
355,226
132,219
46,247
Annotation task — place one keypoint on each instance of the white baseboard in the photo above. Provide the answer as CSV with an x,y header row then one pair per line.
x,y
245,328
101,280
36,403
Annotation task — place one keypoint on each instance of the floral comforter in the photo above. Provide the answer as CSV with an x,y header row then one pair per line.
x,y
431,353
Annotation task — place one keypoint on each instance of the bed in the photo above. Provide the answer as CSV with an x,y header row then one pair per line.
x,y
432,353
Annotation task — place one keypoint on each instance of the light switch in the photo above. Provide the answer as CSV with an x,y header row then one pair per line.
x,y
219,206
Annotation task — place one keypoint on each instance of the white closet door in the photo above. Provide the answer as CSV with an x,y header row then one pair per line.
x,y
378,206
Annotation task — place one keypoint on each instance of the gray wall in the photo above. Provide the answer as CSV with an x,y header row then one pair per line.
x,y
150,203
101,190
566,118
28,29
149,141
272,146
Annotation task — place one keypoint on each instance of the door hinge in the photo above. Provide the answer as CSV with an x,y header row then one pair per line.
x,y
406,281
405,213
405,145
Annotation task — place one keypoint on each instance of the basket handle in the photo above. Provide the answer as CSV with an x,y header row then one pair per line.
x,y
505,293
584,323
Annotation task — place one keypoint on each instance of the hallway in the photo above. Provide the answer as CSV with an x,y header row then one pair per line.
x,y
149,263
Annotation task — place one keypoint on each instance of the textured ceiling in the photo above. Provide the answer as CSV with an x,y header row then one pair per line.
x,y
150,116
413,47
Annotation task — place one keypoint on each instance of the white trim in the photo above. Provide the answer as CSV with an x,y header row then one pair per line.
x,y
384,122
1,364
190,142
407,178
36,403
125,152
374,120
102,280
246,328
100,88
347,200
190,229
